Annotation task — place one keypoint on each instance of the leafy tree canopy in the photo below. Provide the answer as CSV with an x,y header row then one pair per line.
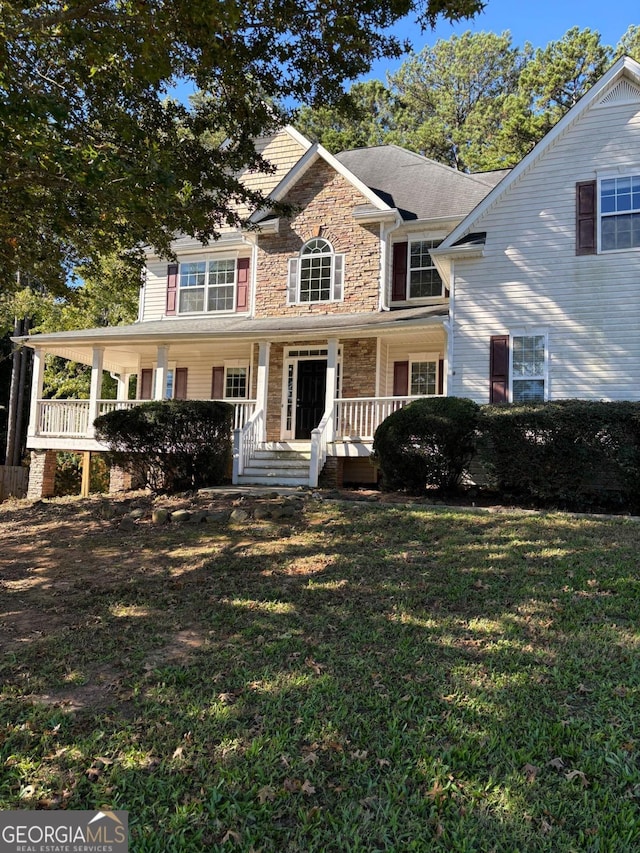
x,y
473,101
365,118
452,98
94,155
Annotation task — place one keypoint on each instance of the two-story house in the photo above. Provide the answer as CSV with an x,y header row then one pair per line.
x,y
395,277
314,327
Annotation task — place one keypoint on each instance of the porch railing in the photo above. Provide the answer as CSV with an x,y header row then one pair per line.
x,y
319,440
70,418
246,440
359,417
63,417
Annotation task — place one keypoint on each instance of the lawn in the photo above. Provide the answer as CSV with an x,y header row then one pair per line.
x,y
358,677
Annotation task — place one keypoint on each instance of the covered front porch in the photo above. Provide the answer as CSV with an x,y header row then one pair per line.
x,y
314,395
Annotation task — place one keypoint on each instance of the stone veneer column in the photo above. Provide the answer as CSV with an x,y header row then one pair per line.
x,y
42,474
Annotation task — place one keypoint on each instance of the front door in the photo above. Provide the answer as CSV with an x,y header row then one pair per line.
x,y
310,395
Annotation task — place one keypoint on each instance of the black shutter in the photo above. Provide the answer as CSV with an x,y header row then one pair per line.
x,y
499,369
180,387
586,218
217,383
172,288
400,378
146,383
399,272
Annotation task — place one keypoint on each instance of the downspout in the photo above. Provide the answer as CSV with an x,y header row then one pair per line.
x,y
449,326
385,232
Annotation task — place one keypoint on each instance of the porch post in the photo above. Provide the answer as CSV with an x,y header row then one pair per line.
x,y
160,390
262,383
37,383
122,386
96,388
330,393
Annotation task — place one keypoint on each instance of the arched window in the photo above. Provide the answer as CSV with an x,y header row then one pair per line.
x,y
316,274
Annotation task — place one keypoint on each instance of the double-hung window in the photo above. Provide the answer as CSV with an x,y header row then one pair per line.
x,y
235,383
424,278
423,377
528,368
316,275
207,285
620,213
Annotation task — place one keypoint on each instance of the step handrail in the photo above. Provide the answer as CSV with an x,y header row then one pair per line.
x,y
320,438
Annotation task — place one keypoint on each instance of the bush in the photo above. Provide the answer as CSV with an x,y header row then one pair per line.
x,y
170,446
570,453
428,443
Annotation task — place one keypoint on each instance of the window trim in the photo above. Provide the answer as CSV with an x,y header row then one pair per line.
x,y
207,259
435,242
631,172
530,333
235,365
423,358
336,285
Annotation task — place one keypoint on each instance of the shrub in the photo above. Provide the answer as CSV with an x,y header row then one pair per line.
x,y
428,443
172,445
570,453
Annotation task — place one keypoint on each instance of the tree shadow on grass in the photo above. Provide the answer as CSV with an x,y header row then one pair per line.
x,y
377,680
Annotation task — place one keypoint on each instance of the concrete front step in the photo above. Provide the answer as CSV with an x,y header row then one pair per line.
x,y
249,480
278,463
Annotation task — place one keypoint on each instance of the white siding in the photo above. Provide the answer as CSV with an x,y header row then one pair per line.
x,y
399,348
200,358
531,276
282,150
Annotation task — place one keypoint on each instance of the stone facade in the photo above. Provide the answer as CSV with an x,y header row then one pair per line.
x,y
359,367
42,474
324,203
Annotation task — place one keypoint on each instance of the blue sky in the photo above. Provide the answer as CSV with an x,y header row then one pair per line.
x,y
535,21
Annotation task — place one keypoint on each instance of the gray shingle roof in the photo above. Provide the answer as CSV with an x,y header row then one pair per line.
x,y
420,188
225,327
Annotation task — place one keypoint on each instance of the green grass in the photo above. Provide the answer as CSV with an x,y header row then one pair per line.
x,y
375,678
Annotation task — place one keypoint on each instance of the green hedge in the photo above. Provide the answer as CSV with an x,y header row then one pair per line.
x,y
428,443
573,454
173,445
569,453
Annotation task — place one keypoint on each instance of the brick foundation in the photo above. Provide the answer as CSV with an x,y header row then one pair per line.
x,y
331,476
119,480
42,474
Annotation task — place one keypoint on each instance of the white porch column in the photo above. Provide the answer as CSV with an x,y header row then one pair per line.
x,y
332,378
160,389
96,387
37,383
262,382
122,386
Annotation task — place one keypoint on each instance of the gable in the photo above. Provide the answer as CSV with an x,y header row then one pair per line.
x,y
618,88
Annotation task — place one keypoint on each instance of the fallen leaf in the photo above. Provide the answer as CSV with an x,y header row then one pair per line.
x,y
307,788
436,792
383,762
530,771
556,763
577,774
265,794
359,754
310,758
230,835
